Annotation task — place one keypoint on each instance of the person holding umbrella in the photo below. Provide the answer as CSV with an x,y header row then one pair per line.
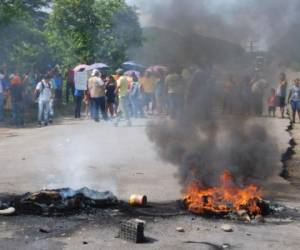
x,y
96,89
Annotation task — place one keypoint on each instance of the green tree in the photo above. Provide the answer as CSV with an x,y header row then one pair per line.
x,y
18,9
23,43
85,31
119,30
71,30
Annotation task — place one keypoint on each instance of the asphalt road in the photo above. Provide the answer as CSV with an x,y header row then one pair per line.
x,y
100,156
83,153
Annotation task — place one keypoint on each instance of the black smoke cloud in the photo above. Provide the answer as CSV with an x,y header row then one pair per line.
x,y
204,141
233,20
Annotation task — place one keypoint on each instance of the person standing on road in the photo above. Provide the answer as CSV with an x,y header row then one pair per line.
x,y
294,99
160,93
135,96
281,93
96,89
78,95
57,84
3,89
70,87
272,103
122,89
17,98
173,87
43,94
148,80
111,95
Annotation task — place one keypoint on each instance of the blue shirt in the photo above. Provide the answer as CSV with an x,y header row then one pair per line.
x,y
4,83
58,81
78,92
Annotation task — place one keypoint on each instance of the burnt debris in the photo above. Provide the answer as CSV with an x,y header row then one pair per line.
x,y
59,201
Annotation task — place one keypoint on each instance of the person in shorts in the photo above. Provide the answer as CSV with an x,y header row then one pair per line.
x,y
281,93
294,99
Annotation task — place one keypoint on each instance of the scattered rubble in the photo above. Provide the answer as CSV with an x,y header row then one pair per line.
x,y
243,215
227,228
7,211
45,229
225,246
241,212
180,229
259,219
58,201
279,220
277,208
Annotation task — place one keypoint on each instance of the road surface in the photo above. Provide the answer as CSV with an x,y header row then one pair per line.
x,y
103,157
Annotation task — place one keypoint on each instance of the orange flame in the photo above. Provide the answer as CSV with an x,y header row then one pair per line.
x,y
228,197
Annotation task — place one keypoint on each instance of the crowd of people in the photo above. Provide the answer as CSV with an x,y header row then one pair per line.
x,y
118,96
122,95
280,97
250,96
18,94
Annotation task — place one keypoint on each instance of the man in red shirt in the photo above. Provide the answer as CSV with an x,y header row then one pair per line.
x,y
17,98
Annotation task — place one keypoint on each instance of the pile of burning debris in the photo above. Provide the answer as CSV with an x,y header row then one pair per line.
x,y
226,200
58,202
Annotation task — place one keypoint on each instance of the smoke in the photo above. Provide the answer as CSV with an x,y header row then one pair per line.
x,y
214,128
264,22
79,160
209,136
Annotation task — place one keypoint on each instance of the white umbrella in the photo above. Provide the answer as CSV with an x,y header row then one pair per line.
x,y
80,67
97,66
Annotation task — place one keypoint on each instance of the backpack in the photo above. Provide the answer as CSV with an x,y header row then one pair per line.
x,y
38,93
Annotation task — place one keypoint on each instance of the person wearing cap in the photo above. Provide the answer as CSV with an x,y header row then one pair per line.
x,y
96,89
43,94
122,89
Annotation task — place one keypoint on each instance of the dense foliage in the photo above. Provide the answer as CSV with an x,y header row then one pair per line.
x,y
46,32
23,43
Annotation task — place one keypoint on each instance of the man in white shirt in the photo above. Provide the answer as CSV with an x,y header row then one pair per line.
x,y
43,92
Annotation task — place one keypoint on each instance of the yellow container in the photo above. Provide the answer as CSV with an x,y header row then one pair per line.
x,y
138,200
